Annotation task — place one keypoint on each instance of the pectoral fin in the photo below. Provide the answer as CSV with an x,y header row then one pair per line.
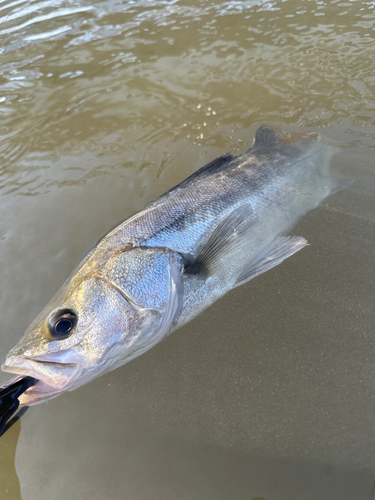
x,y
232,239
226,242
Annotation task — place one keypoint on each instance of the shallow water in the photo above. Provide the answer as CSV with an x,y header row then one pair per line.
x,y
270,393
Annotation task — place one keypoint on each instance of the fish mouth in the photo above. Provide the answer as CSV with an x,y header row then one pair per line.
x,y
53,375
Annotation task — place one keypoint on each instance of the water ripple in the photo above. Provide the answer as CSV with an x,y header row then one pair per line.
x,y
70,75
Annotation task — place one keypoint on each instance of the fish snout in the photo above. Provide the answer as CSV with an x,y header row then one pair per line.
x,y
56,372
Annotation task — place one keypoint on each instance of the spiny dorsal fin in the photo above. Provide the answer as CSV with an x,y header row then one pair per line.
x,y
266,138
213,166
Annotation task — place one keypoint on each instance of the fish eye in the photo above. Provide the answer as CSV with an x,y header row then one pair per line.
x,y
62,323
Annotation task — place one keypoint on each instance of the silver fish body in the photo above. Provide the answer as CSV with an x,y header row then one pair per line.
x,y
219,228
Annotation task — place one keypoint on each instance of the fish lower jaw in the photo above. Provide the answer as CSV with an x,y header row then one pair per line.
x,y
39,393
53,378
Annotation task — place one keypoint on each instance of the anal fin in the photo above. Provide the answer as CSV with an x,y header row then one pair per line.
x,y
280,249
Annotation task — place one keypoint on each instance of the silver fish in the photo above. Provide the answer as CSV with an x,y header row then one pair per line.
x,y
216,230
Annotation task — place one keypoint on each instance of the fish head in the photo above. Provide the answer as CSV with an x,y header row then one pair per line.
x,y
72,341
90,327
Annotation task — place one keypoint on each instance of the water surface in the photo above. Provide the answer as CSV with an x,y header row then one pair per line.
x,y
104,106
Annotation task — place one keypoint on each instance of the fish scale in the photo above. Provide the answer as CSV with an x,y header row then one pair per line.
x,y
142,274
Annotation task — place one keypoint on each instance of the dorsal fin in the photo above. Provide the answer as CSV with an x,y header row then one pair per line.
x,y
266,138
210,167
213,166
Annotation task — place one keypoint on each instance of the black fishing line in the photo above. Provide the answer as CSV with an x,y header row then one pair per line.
x,y
9,402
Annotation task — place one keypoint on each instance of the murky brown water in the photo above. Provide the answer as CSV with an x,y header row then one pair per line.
x,y
104,106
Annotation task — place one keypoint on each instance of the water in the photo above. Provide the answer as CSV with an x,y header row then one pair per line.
x,y
270,393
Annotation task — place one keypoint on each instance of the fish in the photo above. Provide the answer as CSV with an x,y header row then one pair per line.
x,y
221,227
